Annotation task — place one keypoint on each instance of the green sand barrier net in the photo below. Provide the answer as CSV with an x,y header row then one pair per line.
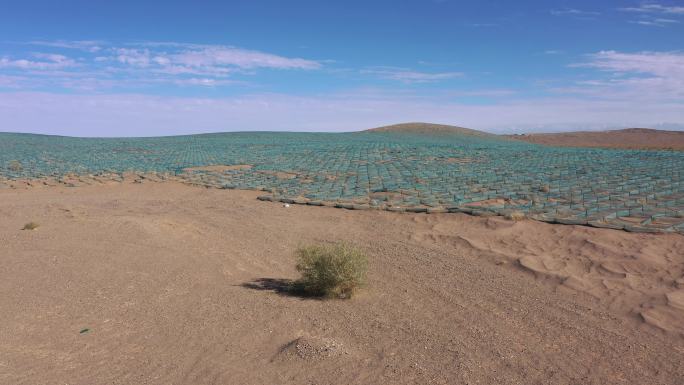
x,y
626,189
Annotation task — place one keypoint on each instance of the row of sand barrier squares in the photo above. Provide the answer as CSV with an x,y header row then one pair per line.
x,y
568,195
637,188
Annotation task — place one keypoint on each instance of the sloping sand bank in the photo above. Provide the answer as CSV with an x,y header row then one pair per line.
x,y
634,138
162,283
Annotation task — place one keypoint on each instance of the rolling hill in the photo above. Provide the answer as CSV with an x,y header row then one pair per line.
x,y
631,138
428,129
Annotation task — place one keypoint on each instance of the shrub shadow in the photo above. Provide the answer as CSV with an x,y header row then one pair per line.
x,y
281,286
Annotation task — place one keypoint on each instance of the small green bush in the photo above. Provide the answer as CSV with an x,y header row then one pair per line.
x,y
331,270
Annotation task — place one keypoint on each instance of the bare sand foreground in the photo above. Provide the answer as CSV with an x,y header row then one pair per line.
x,y
162,283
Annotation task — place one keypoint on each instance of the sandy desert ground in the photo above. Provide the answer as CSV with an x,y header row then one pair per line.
x,y
162,283
633,138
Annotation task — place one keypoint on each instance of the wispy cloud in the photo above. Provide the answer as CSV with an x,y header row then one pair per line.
x,y
140,115
646,75
45,62
410,76
216,56
574,12
482,25
655,22
83,45
664,64
98,63
619,89
130,56
655,8
205,82
205,58
655,15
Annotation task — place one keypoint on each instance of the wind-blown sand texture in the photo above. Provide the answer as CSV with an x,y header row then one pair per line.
x,y
632,138
164,283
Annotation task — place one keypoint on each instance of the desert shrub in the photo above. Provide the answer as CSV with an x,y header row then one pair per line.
x,y
30,226
15,166
515,215
331,270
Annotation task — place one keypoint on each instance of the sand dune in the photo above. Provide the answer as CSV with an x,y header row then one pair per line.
x,y
428,128
634,138
162,283
630,278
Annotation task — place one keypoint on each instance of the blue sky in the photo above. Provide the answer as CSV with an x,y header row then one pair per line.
x,y
105,68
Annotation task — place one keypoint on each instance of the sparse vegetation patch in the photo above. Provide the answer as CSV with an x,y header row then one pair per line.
x,y
331,270
31,226
15,166
515,215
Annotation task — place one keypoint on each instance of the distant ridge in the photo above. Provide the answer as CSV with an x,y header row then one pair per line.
x,y
631,138
428,129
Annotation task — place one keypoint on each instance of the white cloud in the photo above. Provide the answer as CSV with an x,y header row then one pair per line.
x,y
409,76
622,89
641,77
574,12
210,60
144,115
47,62
662,64
655,8
84,45
656,22
133,56
482,25
205,59
230,56
204,82
655,15
146,63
